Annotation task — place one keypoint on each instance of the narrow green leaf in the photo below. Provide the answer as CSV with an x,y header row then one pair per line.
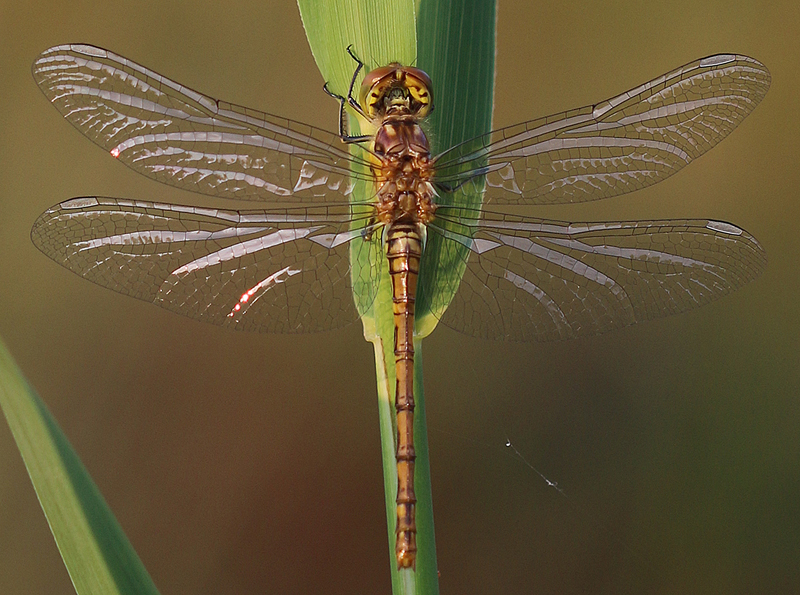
x,y
454,43
98,556
456,47
380,33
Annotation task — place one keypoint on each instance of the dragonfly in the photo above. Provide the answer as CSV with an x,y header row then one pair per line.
x,y
342,210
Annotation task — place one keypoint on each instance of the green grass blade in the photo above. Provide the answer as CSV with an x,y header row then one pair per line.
x,y
456,47
380,33
96,552
454,42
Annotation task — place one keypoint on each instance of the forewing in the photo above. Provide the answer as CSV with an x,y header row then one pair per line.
x,y
177,136
531,279
281,270
620,145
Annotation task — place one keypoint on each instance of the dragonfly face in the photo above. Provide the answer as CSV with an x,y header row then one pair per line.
x,y
396,85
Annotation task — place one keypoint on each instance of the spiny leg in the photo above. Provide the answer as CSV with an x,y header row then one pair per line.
x,y
344,128
344,132
350,99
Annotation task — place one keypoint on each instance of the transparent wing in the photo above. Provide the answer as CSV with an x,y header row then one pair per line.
x,y
177,136
532,279
281,270
620,145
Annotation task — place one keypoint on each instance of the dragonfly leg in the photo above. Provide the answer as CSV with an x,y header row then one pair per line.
x,y
344,129
344,132
359,66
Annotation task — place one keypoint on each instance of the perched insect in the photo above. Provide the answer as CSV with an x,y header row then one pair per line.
x,y
316,265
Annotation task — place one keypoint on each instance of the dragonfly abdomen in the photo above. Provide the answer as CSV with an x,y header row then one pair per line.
x,y
403,252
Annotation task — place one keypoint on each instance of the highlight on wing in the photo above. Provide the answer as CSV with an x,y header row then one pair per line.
x,y
524,278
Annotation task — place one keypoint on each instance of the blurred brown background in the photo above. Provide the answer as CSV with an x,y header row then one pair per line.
x,y
250,464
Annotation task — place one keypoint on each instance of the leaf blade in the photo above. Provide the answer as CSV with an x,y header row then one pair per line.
x,y
98,556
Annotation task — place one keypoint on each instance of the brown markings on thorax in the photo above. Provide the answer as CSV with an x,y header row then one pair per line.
x,y
403,169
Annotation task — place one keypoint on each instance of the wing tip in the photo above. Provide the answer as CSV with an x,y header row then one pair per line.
x,y
721,59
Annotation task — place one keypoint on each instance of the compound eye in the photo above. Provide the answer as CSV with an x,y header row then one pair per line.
x,y
380,81
374,87
419,76
420,88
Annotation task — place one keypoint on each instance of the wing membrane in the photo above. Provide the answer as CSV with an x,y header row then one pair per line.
x,y
620,145
180,137
533,279
282,270
288,270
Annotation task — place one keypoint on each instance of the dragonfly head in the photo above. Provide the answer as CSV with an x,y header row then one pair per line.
x,y
396,88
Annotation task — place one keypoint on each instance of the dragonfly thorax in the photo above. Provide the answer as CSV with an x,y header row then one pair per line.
x,y
401,138
403,170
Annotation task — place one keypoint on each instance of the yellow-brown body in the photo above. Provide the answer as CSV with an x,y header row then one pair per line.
x,y
394,99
